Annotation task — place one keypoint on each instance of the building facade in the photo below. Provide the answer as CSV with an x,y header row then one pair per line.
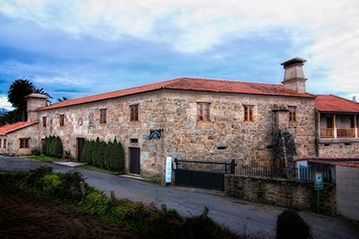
x,y
198,119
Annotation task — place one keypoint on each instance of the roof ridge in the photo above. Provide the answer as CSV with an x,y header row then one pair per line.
x,y
228,81
350,101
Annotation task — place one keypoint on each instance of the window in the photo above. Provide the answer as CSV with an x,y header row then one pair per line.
x,y
203,111
4,141
134,112
24,143
0,143
44,121
248,113
62,120
292,113
103,113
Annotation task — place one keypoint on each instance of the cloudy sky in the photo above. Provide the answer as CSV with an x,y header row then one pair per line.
x,y
77,48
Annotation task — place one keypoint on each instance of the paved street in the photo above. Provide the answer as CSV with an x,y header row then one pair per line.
x,y
237,215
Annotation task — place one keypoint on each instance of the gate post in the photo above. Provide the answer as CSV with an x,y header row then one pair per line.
x,y
233,167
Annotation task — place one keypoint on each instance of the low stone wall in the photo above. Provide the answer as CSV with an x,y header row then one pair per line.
x,y
281,192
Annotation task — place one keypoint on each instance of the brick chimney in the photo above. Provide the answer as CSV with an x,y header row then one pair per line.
x,y
293,75
34,101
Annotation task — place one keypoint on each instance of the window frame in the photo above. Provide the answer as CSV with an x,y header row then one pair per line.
x,y
24,143
292,114
62,120
203,111
134,112
4,141
44,121
248,111
103,116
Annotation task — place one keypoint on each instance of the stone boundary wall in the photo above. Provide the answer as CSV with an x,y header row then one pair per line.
x,y
281,192
347,177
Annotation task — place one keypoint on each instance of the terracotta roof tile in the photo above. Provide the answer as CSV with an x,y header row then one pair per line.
x,y
13,127
335,104
192,84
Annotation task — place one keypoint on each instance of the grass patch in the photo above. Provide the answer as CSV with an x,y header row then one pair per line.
x,y
145,221
97,169
42,158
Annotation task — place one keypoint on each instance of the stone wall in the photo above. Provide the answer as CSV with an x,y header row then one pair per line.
x,y
341,148
83,121
13,141
246,142
281,192
348,191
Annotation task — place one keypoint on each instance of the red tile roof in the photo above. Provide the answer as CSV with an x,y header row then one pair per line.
x,y
190,84
335,104
13,127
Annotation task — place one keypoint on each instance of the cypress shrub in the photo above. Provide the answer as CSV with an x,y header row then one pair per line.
x,y
104,155
58,147
52,146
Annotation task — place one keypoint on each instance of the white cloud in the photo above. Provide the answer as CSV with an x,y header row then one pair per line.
x,y
323,31
4,104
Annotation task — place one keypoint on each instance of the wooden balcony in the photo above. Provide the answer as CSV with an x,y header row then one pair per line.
x,y
338,133
327,133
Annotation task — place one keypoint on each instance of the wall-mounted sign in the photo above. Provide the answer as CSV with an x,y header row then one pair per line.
x,y
318,182
168,172
154,134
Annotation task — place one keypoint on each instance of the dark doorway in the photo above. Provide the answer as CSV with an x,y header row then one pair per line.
x,y
80,147
135,160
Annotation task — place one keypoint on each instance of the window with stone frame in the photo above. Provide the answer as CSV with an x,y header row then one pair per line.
x,y
203,111
4,141
1,143
62,120
292,113
248,113
44,121
103,116
24,143
134,112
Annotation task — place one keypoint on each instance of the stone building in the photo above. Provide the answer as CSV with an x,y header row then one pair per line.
x,y
199,119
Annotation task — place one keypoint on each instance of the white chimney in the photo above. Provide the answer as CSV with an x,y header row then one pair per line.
x,y
294,79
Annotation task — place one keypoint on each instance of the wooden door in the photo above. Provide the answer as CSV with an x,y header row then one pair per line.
x,y
80,147
135,160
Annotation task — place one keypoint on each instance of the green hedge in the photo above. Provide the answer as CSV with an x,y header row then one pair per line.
x,y
104,155
52,146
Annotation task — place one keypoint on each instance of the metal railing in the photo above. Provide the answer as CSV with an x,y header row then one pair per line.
x,y
211,166
304,174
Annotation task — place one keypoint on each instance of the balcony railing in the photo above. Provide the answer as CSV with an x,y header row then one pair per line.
x,y
327,133
340,133
345,133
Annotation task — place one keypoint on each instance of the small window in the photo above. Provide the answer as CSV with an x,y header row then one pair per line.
x,y
1,143
44,119
134,112
4,143
203,111
248,113
24,143
134,141
292,113
62,120
103,113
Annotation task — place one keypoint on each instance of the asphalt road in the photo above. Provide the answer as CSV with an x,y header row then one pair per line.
x,y
239,216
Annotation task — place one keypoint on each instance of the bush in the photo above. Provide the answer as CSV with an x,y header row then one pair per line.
x,y
73,186
108,155
52,146
35,152
291,225
50,184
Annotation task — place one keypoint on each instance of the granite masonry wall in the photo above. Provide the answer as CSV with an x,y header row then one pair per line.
x,y
281,192
347,178
83,121
342,148
183,137
13,141
249,143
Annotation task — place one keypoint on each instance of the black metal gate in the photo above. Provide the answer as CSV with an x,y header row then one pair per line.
x,y
202,174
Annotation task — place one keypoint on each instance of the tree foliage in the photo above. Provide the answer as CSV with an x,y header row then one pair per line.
x,y
108,155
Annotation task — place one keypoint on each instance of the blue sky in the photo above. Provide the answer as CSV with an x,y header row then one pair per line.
x,y
79,48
